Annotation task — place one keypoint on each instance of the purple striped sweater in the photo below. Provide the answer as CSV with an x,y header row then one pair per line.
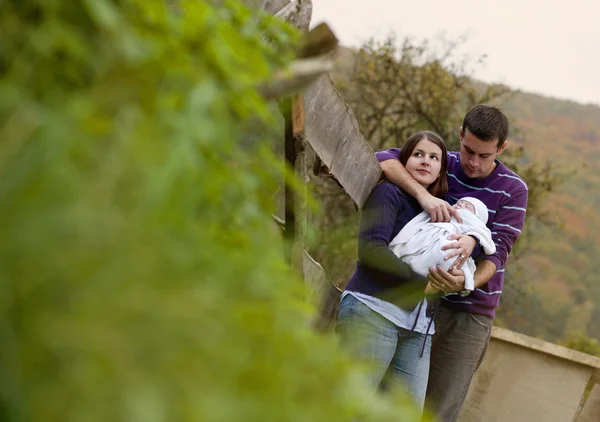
x,y
505,195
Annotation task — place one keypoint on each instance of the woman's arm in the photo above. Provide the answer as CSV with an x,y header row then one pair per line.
x,y
376,231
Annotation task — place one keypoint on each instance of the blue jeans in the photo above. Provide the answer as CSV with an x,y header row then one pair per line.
x,y
387,348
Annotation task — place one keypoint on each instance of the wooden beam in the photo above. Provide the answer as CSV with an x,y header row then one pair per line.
x,y
321,293
319,289
298,76
318,41
295,190
298,116
290,196
272,6
315,57
333,133
297,12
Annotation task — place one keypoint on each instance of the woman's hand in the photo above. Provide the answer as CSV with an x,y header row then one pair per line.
x,y
462,249
430,290
448,282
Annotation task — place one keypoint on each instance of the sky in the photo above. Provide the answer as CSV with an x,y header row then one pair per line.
x,y
547,47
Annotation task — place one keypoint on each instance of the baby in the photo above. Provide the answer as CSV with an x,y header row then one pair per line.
x,y
419,243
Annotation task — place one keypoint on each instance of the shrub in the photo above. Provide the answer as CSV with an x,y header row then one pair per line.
x,y
142,277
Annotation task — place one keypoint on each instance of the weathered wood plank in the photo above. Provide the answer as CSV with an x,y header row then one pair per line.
x,y
298,13
270,6
319,290
273,6
321,293
299,75
317,42
315,58
333,133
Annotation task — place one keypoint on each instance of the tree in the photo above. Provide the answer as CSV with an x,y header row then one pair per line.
x,y
142,274
396,89
583,344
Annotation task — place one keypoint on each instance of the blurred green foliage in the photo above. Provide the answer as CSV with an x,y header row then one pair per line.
x,y
582,343
142,277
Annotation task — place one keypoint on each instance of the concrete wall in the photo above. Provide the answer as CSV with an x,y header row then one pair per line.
x,y
526,379
591,409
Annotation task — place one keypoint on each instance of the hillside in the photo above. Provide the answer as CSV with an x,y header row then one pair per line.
x,y
560,265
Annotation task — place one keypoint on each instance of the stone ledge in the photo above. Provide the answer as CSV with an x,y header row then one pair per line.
x,y
551,349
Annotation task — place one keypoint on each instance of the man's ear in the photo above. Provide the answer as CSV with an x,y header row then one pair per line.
x,y
501,148
460,134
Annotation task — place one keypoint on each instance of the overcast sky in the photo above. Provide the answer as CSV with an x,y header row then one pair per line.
x,y
544,46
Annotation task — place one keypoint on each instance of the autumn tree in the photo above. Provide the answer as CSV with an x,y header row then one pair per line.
x,y
396,88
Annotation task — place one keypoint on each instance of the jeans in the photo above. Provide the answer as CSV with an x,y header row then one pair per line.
x,y
388,349
459,344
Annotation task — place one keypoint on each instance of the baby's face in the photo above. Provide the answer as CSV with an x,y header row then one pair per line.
x,y
464,205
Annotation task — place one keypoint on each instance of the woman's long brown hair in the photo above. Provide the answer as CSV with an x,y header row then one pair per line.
x,y
438,188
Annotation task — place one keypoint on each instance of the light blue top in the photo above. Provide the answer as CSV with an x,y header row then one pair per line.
x,y
396,315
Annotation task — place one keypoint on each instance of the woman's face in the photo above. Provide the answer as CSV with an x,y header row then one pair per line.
x,y
425,162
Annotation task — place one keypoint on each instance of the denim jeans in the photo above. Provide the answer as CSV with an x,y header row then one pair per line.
x,y
388,349
459,345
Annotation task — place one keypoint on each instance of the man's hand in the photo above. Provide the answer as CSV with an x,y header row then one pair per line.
x,y
462,249
438,209
448,282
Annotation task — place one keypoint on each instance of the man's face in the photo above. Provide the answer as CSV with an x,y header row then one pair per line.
x,y
477,156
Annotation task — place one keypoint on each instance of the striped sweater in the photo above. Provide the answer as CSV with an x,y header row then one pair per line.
x,y
505,195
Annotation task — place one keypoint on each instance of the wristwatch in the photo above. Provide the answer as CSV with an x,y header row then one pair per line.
x,y
465,293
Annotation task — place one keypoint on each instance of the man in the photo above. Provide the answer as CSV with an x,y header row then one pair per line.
x,y
463,321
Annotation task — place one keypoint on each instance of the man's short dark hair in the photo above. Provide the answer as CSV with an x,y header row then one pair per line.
x,y
487,123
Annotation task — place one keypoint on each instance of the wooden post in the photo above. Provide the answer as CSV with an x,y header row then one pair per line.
x,y
290,159
295,186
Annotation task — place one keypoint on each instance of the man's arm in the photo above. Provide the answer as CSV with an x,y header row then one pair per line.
x,y
396,173
506,228
437,208
485,270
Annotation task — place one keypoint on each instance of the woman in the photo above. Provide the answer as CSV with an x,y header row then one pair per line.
x,y
383,313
